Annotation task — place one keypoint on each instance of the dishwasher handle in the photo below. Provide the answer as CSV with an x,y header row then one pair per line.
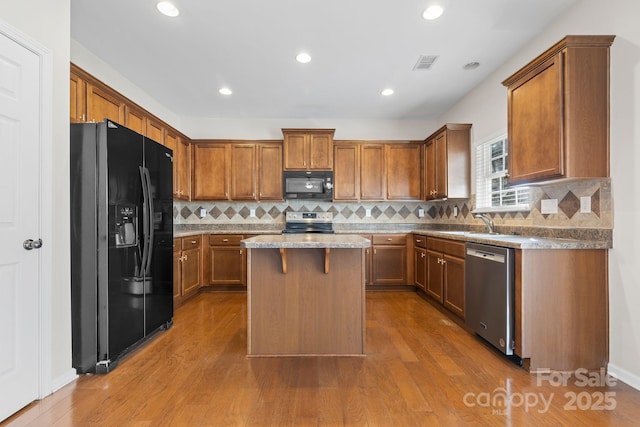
x,y
489,256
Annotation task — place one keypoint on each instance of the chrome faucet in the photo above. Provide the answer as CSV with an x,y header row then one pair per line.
x,y
487,220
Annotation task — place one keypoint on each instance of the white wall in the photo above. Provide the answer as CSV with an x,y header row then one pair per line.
x,y
47,22
486,108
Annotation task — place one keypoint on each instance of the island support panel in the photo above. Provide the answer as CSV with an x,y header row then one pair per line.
x,y
309,310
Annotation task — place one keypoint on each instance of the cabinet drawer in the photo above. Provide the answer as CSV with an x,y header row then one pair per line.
x,y
450,247
389,239
419,241
225,239
191,242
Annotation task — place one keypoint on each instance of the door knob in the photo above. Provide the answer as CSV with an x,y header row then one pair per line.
x,y
32,244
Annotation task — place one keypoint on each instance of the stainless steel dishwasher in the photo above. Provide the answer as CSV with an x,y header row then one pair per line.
x,y
489,294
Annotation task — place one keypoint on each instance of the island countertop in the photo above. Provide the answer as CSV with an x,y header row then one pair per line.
x,y
309,240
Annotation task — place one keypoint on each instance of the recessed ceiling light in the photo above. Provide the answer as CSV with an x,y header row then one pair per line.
x,y
303,58
387,92
471,65
167,8
225,91
433,12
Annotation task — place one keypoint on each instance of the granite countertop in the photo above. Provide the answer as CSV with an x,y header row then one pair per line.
x,y
505,240
344,241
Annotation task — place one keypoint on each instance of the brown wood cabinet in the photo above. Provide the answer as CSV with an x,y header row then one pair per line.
x,y
372,172
404,171
187,266
561,310
346,172
103,103
269,171
445,273
135,119
389,259
77,99
182,169
227,260
155,130
308,149
420,261
210,171
558,112
243,172
448,162
377,171
93,101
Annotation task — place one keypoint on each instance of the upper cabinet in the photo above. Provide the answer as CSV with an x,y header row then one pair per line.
x,y
308,149
211,167
92,101
377,171
404,171
558,112
448,162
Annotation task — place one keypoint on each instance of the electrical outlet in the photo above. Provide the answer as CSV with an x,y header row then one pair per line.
x,y
455,211
367,212
252,212
549,206
585,204
420,213
203,212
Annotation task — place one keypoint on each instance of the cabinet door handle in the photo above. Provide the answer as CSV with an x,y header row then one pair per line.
x,y
374,251
240,251
389,239
193,242
185,258
225,240
421,255
418,240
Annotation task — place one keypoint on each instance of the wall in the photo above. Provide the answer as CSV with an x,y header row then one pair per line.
x,y
47,22
485,107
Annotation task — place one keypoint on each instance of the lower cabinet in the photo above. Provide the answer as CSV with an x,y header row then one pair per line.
x,y
445,273
187,266
420,261
386,259
227,260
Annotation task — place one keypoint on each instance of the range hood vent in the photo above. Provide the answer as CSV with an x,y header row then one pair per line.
x,y
425,62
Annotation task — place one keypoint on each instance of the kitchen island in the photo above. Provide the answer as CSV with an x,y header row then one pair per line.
x,y
305,295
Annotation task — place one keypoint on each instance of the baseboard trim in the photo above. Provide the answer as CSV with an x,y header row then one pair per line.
x,y
632,380
63,380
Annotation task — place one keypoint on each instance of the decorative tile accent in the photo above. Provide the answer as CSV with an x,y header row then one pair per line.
x,y
185,212
346,212
244,212
404,212
569,205
274,212
230,212
595,203
271,214
215,212
390,212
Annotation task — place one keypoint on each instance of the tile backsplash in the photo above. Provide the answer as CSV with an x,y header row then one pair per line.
x,y
449,212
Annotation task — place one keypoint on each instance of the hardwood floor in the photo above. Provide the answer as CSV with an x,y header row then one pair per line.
x,y
420,369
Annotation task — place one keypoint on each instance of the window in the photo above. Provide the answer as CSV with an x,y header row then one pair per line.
x,y
492,193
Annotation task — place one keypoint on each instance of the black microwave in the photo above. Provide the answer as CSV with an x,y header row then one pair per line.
x,y
305,185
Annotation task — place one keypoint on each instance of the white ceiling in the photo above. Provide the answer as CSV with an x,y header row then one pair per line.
x,y
359,47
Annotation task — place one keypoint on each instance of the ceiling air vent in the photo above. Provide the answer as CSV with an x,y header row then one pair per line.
x,y
425,62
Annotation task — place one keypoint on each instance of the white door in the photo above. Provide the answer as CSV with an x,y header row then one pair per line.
x,y
19,221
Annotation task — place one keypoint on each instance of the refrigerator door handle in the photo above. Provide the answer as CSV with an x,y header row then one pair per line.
x,y
150,235
145,222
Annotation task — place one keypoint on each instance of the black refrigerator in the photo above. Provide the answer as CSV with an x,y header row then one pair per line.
x,y
121,242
